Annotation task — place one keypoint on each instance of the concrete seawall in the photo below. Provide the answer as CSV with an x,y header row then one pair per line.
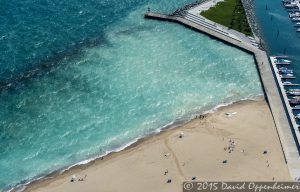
x,y
226,39
271,91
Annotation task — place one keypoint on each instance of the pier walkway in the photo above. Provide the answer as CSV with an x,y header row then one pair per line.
x,y
272,94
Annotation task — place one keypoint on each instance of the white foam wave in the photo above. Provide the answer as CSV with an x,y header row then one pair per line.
x,y
171,125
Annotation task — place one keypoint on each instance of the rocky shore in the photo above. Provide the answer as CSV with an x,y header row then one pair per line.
x,y
250,13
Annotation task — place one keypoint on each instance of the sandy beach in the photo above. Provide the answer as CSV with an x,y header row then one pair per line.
x,y
241,145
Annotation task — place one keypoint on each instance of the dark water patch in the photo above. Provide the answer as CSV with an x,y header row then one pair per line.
x,y
133,29
32,31
112,95
45,65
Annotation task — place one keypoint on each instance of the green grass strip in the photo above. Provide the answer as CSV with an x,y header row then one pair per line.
x,y
229,13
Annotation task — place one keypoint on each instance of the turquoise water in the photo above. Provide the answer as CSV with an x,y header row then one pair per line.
x,y
137,77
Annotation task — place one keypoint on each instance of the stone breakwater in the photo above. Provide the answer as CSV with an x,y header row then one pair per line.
x,y
250,13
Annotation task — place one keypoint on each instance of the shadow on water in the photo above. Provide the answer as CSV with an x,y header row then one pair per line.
x,y
75,51
45,65
40,67
133,29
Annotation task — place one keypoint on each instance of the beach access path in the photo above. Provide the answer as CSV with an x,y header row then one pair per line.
x,y
192,19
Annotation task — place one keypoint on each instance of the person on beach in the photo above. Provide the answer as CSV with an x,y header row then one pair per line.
x,y
73,178
166,172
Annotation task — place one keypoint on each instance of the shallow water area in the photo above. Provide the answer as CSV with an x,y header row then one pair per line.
x,y
145,75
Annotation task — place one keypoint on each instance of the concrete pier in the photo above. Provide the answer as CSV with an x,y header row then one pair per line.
x,y
224,36
293,154
280,114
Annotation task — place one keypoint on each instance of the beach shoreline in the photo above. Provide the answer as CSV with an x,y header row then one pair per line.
x,y
127,148
134,148
131,144
60,179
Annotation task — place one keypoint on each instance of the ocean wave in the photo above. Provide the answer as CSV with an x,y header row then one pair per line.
x,y
145,81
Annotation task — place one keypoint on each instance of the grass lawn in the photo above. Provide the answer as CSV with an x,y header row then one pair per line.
x,y
229,13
